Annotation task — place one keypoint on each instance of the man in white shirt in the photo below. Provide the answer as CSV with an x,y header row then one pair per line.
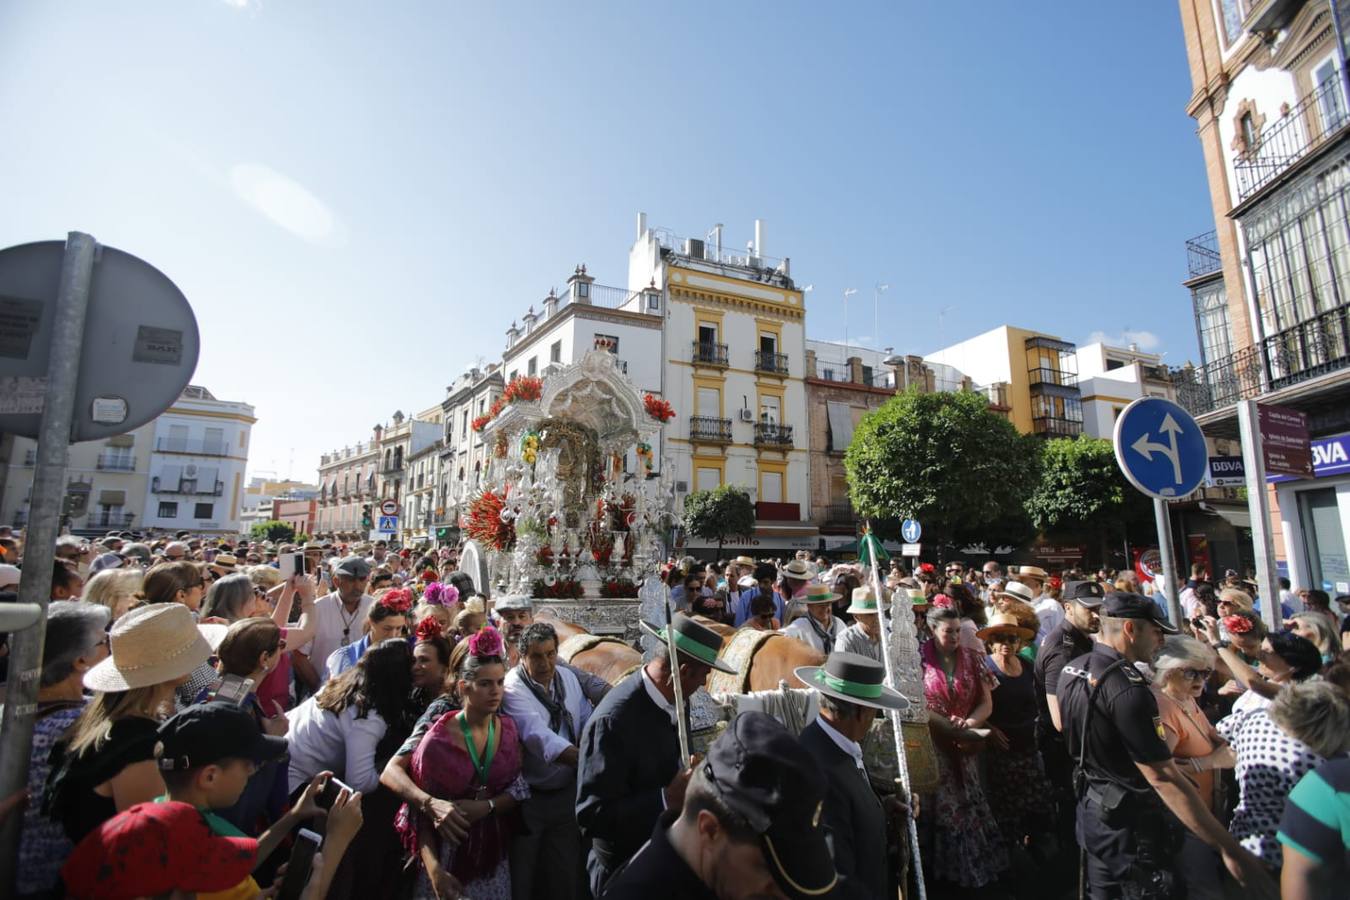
x,y
818,627
1048,610
550,709
340,617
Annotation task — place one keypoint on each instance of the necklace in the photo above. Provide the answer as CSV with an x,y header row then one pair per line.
x,y
482,765
1186,705
346,622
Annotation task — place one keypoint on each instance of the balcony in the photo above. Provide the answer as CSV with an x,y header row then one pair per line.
x,y
1312,124
1308,350
1202,255
710,354
1042,375
110,520
188,488
773,363
840,514
1054,426
196,448
769,434
709,430
778,512
112,462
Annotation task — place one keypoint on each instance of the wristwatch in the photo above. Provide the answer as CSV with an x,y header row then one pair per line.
x,y
1221,645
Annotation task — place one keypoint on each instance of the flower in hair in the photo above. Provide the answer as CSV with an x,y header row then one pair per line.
x,y
1237,624
428,575
398,600
440,594
486,642
428,629
942,601
1055,582
927,567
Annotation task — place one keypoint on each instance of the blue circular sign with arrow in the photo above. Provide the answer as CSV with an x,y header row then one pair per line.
x,y
1160,448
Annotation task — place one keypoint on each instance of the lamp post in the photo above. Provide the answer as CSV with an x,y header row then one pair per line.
x,y
877,291
847,293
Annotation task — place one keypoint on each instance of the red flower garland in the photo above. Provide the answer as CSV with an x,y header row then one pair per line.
x,y
527,388
658,409
484,522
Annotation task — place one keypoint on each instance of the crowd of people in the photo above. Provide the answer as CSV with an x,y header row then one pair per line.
x,y
202,713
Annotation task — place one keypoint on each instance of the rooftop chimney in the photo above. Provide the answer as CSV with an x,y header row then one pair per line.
x,y
642,225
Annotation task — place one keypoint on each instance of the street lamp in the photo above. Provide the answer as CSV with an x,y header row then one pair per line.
x,y
847,293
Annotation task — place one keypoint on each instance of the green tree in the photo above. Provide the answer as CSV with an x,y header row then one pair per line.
x,y
1083,494
945,459
721,513
272,530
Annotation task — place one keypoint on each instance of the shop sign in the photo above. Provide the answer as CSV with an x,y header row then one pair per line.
x,y
1330,456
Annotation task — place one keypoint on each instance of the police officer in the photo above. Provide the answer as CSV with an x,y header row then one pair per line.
x,y
1127,780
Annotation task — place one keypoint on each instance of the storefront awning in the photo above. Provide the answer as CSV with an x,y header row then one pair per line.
x,y
1237,516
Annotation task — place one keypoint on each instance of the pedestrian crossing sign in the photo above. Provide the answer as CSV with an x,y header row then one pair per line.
x,y
388,524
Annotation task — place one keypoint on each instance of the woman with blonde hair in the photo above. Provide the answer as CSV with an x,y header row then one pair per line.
x,y
114,588
107,762
1311,626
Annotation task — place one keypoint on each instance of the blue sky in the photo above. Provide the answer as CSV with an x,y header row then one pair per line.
x,y
358,197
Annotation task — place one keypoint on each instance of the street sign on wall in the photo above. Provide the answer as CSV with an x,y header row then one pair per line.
x,y
1227,471
1284,441
1160,448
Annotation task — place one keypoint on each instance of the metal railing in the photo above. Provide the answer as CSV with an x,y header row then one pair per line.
x,y
200,448
115,462
710,429
1202,255
611,297
1056,426
1045,375
187,487
772,434
711,354
1315,120
840,513
111,520
1305,351
769,361
707,251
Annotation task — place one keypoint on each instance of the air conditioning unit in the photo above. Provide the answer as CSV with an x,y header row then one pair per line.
x,y
693,247
747,415
190,471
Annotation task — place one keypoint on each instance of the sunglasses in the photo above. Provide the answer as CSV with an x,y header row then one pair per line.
x,y
1196,674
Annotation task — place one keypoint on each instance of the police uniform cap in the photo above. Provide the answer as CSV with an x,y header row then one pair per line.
x,y
1122,605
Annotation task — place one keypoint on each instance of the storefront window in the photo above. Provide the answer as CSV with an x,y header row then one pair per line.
x,y
1324,540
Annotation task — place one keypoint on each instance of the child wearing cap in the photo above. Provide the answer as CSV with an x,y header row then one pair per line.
x,y
207,755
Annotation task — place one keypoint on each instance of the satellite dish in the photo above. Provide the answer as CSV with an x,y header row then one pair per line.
x,y
473,561
140,341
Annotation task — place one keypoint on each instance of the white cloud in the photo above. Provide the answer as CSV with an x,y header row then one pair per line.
x,y
1147,340
242,4
286,202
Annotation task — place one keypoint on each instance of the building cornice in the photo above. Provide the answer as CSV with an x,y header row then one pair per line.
x,y
580,311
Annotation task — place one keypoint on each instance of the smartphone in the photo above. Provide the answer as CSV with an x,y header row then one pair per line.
x,y
328,794
300,865
291,564
233,689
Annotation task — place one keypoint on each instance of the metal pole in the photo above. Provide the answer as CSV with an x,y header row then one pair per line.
x,y
1163,519
35,585
1258,507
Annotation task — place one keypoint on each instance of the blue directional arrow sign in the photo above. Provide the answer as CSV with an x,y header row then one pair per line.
x,y
911,531
1160,448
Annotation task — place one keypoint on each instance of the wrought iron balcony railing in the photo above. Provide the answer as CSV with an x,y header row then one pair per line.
x,y
710,429
110,462
1307,350
1307,126
1202,255
773,435
187,487
840,513
768,361
710,354
197,448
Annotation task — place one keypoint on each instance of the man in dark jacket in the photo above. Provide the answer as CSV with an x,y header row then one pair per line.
x,y
851,689
630,769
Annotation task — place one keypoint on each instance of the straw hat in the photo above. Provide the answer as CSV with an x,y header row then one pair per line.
x,y
819,593
224,562
864,601
916,596
150,645
744,561
1033,572
799,570
1005,623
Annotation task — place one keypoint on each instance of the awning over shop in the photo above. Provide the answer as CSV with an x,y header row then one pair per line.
x,y
1237,516
766,537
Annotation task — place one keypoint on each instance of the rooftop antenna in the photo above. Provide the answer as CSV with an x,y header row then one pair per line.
x,y
877,291
847,292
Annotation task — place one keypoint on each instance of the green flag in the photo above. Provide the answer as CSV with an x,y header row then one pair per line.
x,y
870,551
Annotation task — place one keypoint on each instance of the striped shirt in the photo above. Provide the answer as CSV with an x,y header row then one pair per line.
x,y
1316,819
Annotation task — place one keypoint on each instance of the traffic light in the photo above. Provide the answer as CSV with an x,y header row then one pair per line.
x,y
366,521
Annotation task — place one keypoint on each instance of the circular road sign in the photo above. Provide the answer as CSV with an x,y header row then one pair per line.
x,y
140,341
1160,448
911,531
388,507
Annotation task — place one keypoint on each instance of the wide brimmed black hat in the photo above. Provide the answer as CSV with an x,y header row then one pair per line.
x,y
698,642
853,678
